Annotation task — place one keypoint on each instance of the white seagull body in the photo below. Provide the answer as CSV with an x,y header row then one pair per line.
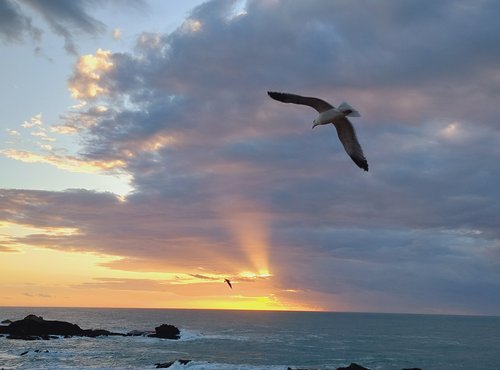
x,y
329,114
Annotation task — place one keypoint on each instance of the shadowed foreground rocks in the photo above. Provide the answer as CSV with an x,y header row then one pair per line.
x,y
34,327
352,366
166,365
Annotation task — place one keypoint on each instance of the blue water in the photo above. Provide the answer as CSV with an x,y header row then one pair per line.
x,y
253,340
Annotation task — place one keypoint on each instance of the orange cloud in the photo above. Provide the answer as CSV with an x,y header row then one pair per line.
x,y
69,163
86,80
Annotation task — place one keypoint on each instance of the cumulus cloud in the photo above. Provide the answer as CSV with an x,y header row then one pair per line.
x,y
227,179
88,70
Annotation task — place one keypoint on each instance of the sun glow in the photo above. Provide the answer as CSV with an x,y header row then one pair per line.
x,y
36,275
247,223
248,275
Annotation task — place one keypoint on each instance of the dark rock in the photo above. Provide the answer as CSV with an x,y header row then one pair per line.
x,y
412,368
23,337
353,366
25,352
139,333
135,333
166,331
165,365
98,332
6,321
34,327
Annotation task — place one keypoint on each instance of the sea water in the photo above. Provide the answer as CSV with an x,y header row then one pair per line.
x,y
254,340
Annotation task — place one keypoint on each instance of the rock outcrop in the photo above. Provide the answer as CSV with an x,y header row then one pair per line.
x,y
166,331
34,327
165,365
353,366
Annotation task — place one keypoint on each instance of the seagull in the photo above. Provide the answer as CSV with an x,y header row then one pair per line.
x,y
329,114
228,283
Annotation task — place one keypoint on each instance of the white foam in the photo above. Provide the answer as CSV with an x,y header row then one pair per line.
x,y
6,356
189,335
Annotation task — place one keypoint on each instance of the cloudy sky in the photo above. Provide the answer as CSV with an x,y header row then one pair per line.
x,y
143,162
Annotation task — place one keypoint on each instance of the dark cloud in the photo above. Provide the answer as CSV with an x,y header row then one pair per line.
x,y
65,18
14,25
189,117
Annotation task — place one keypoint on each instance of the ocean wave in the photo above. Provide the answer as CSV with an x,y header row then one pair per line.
x,y
190,335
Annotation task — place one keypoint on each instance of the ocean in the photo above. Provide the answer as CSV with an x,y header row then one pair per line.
x,y
259,340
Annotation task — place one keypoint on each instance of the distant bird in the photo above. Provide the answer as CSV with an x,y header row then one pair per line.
x,y
228,283
329,114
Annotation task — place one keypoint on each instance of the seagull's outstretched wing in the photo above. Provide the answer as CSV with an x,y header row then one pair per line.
x,y
318,104
348,138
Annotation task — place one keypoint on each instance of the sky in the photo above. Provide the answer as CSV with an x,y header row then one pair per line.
x,y
143,162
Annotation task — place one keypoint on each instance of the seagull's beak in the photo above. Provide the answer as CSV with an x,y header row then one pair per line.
x,y
315,124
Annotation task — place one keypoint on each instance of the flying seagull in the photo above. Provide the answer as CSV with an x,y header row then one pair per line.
x,y
329,114
228,283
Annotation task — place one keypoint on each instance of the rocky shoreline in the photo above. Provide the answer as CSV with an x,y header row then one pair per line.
x,y
34,327
352,366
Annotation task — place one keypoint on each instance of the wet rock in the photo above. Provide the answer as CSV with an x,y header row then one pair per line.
x,y
25,352
166,331
353,366
165,365
139,333
23,337
34,327
7,321
99,332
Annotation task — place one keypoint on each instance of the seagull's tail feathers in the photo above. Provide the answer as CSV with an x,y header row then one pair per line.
x,y
348,110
